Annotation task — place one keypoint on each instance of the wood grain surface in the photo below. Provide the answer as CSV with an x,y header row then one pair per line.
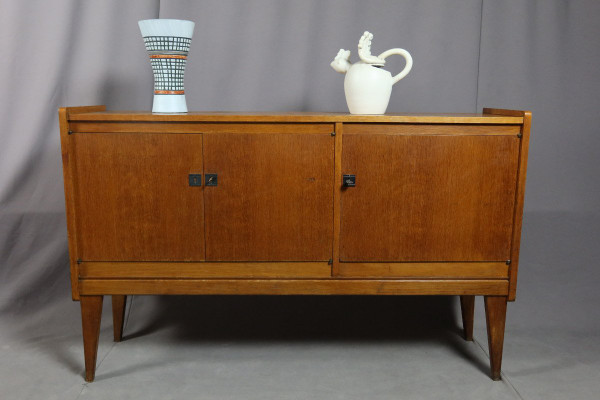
x,y
519,205
197,127
520,193
297,117
133,198
274,199
495,317
66,148
428,198
187,270
467,311
456,270
119,303
91,314
337,197
432,129
295,286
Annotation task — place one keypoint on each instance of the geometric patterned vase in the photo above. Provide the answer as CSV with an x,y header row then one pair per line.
x,y
168,43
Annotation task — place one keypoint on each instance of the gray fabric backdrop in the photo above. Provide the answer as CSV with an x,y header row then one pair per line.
x,y
274,55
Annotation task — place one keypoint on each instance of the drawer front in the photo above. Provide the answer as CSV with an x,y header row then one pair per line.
x,y
428,197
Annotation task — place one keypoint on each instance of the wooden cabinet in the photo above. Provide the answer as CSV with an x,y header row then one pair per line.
x,y
299,203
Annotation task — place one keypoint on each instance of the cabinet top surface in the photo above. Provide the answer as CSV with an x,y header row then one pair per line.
x,y
145,116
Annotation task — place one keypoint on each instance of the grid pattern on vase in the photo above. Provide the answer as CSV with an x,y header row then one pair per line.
x,y
161,44
168,74
168,56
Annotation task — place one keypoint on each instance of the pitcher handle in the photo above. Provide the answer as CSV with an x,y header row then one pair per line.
x,y
407,57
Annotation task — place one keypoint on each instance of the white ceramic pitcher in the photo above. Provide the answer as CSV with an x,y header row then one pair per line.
x,y
367,85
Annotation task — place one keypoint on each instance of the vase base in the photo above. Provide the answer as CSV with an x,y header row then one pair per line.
x,y
169,103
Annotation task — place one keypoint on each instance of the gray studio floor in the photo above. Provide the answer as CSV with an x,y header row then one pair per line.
x,y
326,347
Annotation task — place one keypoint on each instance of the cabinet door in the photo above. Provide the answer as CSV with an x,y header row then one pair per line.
x,y
133,198
274,195
421,197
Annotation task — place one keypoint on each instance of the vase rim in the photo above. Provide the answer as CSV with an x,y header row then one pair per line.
x,y
167,27
166,19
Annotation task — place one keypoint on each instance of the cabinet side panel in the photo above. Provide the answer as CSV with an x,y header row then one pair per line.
x,y
67,155
274,198
67,164
428,198
519,205
134,199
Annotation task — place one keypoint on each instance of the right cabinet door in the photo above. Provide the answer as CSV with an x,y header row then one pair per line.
x,y
428,193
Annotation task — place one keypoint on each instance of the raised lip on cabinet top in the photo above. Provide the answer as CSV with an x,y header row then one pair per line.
x,y
146,116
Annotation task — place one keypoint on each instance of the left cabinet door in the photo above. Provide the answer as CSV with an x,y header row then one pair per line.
x,y
133,197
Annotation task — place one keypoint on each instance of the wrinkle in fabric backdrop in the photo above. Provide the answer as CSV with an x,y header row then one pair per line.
x,y
246,55
269,55
57,53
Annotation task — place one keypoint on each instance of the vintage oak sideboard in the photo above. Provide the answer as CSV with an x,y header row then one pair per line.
x,y
293,203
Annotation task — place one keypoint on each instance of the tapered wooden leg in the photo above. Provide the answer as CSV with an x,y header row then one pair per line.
x,y
467,309
118,309
91,313
495,316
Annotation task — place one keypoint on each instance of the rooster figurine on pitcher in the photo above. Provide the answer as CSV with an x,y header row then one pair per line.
x,y
367,85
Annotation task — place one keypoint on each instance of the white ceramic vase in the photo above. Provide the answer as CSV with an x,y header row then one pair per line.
x,y
367,85
168,43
